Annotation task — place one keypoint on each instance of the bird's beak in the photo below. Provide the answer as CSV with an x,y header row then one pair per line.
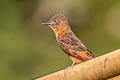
x,y
46,23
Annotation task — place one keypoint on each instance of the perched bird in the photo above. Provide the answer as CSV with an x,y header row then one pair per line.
x,y
67,40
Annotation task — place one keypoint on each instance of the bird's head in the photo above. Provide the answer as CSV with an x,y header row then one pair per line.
x,y
58,21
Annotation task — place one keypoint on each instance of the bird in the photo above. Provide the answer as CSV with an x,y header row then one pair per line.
x,y
68,41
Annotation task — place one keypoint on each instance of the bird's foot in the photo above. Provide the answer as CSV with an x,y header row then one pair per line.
x,y
74,63
66,67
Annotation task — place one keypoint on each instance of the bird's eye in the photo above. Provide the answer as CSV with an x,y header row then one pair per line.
x,y
55,21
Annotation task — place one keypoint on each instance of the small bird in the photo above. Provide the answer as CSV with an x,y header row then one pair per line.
x,y
67,40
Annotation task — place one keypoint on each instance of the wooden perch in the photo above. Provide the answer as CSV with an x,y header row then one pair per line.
x,y
100,68
115,78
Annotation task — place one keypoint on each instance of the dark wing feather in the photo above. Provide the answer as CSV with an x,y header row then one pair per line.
x,y
70,42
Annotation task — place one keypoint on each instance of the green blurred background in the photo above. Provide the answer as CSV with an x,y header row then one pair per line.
x,y
29,49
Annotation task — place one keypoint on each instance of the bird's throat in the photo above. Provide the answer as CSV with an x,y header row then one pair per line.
x,y
60,30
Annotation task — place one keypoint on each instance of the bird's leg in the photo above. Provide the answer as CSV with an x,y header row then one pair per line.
x,y
74,63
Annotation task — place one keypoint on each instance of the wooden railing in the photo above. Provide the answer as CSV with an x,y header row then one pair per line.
x,y
100,68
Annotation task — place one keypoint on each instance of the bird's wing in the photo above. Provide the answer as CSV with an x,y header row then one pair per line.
x,y
74,47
